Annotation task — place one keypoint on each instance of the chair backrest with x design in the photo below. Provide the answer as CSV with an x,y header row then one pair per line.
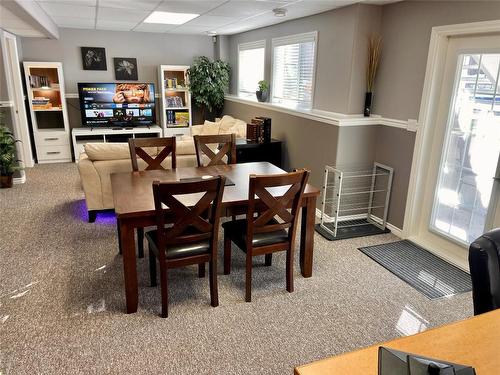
x,y
226,147
275,212
138,148
195,209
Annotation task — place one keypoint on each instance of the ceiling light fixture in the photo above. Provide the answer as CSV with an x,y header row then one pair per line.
x,y
170,18
279,12
212,33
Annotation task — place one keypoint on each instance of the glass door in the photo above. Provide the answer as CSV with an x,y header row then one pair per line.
x,y
458,193
470,150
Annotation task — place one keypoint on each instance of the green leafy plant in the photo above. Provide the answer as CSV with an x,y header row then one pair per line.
x,y
8,161
263,85
208,82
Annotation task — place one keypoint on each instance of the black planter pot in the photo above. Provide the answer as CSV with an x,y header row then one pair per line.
x,y
368,104
261,96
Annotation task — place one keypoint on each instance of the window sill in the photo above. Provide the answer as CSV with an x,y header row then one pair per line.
x,y
333,118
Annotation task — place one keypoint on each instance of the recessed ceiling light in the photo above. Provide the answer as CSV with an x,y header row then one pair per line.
x,y
279,12
170,18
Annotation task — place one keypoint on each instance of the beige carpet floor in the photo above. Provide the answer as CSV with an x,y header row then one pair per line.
x,y
62,299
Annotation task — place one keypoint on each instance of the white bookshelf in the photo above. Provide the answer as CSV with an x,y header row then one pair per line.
x,y
49,116
175,100
81,136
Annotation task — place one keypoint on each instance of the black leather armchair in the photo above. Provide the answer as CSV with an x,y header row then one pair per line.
x,y
484,263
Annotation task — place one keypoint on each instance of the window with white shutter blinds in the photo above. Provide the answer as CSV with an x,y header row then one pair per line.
x,y
294,60
250,67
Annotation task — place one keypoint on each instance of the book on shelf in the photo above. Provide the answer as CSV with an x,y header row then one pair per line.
x,y
259,130
182,118
39,81
174,102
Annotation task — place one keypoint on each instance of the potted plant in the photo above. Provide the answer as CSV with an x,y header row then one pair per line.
x,y
263,91
374,49
208,82
8,161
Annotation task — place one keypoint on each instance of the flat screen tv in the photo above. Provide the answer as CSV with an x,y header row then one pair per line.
x,y
117,104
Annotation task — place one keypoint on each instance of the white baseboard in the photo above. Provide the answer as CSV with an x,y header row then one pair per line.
x,y
398,232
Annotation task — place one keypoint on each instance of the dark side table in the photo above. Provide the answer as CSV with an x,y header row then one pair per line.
x,y
248,151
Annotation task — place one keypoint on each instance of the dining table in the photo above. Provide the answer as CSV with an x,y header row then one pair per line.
x,y
134,208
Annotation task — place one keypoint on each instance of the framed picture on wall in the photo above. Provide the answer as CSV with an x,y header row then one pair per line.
x,y
93,58
125,68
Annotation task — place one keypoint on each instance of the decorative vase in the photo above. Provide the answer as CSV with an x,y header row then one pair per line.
x,y
261,96
368,104
6,181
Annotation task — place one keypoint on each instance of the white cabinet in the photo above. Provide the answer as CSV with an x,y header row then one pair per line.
x,y
81,136
176,113
49,117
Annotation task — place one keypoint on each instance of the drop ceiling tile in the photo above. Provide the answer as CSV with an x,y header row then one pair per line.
x,y
154,27
187,29
189,6
243,8
68,10
211,21
74,22
115,25
121,15
147,5
88,3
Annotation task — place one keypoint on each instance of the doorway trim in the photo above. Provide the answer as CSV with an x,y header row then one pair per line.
x,y
428,112
16,95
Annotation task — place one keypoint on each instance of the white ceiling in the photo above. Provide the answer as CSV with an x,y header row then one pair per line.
x,y
221,16
16,25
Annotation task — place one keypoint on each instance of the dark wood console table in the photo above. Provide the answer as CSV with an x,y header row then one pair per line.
x,y
247,151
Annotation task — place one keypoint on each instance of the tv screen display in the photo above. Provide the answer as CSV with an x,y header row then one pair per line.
x,y
117,104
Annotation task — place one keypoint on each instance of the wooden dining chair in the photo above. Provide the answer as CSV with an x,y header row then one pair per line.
x,y
274,227
193,237
138,148
206,155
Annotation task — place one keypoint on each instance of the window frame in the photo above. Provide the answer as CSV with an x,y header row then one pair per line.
x,y
248,46
294,39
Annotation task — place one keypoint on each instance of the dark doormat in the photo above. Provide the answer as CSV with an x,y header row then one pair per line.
x,y
421,269
350,229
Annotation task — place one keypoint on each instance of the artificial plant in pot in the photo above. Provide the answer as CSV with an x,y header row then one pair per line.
x,y
8,160
374,50
208,82
263,91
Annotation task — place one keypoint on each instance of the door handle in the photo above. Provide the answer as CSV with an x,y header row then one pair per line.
x,y
53,152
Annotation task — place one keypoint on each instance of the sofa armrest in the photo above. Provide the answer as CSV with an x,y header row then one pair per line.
x,y
91,183
196,129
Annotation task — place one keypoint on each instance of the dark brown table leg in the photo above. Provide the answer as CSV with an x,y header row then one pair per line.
x,y
307,237
129,265
119,236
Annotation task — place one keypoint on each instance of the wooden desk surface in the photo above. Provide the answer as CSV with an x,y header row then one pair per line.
x,y
474,342
133,192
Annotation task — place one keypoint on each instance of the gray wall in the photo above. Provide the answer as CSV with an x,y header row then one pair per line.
x,y
150,49
342,36
306,143
406,32
405,28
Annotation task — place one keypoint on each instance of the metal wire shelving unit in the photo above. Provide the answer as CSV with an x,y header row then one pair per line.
x,y
355,201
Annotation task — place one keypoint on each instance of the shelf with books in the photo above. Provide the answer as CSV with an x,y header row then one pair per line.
x,y
49,117
176,119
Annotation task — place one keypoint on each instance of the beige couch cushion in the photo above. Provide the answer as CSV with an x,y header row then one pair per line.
x,y
185,146
210,128
230,125
112,151
107,151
